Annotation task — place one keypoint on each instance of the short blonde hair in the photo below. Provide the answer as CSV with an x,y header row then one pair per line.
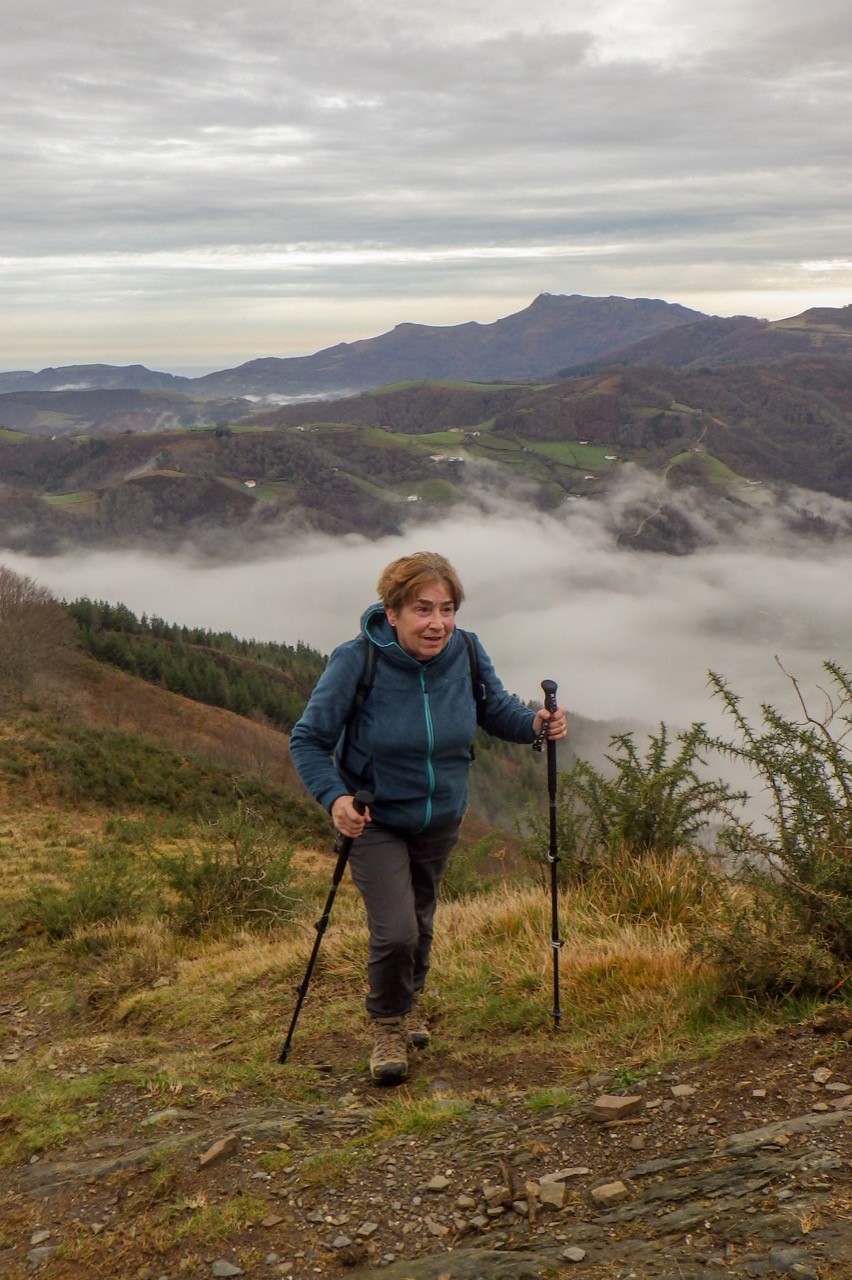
x,y
403,579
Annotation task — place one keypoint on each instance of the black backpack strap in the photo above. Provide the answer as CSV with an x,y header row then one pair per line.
x,y
363,687
480,693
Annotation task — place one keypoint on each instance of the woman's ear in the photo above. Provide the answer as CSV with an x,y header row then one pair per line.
x,y
390,614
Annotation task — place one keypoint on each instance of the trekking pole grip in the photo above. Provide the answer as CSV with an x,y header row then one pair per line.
x,y
361,802
550,704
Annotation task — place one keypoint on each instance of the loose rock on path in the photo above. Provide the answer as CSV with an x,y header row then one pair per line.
x,y
739,1167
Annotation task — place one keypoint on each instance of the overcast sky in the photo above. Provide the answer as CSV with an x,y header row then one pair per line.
x,y
192,185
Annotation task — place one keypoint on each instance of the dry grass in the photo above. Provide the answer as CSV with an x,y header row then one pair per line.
x,y
192,1020
624,986
39,846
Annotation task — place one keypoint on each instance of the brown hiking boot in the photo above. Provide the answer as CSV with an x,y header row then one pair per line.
x,y
416,1028
389,1059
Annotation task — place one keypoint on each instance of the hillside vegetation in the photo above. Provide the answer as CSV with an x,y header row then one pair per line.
x,y
161,880
393,458
72,736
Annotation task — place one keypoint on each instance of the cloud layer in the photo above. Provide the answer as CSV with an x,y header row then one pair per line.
x,y
192,185
627,635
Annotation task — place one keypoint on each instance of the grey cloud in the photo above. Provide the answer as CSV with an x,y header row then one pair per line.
x,y
627,635
668,145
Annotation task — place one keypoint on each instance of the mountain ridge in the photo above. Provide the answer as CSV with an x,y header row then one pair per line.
x,y
552,330
523,345
555,335
720,341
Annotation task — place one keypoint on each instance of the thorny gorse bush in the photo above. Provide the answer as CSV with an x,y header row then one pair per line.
x,y
791,930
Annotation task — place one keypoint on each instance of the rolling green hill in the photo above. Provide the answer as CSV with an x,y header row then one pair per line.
x,y
383,460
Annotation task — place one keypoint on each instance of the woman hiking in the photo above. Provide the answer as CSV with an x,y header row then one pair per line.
x,y
407,738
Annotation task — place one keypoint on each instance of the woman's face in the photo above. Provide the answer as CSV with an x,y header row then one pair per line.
x,y
425,624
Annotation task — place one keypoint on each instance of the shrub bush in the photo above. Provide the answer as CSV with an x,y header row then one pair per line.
x,y
127,772
651,804
241,875
792,932
474,868
761,949
111,885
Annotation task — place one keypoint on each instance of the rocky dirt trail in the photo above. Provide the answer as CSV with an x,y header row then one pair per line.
x,y
736,1167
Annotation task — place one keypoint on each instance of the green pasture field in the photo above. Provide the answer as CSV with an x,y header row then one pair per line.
x,y
273,491
434,490
308,428
449,385
162,471
450,439
235,428
491,444
573,454
57,421
376,490
677,407
77,499
378,438
425,443
717,472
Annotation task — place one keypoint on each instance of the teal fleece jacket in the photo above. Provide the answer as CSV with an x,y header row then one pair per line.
x,y
411,745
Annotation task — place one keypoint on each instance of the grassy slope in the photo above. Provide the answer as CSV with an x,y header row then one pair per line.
x,y
122,1020
142,1005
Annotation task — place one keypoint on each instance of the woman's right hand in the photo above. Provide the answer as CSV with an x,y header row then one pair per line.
x,y
346,818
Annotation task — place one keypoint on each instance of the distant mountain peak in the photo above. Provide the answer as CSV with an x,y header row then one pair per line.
x,y
554,332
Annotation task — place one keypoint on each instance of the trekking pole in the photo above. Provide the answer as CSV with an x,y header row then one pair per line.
x,y
549,687
343,847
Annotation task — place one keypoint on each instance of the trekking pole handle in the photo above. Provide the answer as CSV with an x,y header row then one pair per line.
x,y
361,802
550,704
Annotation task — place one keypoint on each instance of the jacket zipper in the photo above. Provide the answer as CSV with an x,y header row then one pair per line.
x,y
430,740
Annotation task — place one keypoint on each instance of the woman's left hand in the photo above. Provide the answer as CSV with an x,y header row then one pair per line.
x,y
557,723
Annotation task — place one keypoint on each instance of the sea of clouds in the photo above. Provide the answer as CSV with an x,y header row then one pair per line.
x,y
628,635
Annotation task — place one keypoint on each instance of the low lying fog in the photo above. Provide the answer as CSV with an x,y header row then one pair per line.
x,y
627,635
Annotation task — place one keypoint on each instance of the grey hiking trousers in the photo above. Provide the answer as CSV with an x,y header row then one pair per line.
x,y
398,878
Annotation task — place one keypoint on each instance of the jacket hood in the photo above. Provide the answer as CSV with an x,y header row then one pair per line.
x,y
375,626
378,631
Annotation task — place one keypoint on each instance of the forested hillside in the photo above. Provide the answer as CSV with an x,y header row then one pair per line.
x,y
249,677
270,684
389,459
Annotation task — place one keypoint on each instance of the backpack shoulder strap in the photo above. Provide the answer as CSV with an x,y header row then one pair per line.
x,y
480,693
363,687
